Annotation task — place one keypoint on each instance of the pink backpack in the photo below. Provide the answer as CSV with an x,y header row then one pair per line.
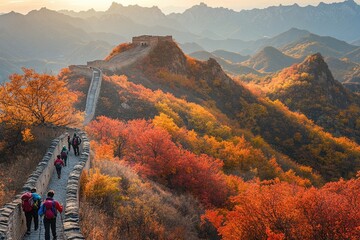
x,y
50,211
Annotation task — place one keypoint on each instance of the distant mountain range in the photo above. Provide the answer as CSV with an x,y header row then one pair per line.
x,y
335,19
222,58
48,40
45,40
312,43
295,42
356,42
344,70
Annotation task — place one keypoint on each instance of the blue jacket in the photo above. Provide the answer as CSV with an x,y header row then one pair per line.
x,y
36,197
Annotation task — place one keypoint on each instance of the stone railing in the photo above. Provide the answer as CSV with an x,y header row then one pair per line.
x,y
12,219
71,219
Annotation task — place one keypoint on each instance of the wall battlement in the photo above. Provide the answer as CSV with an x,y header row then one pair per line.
x,y
148,40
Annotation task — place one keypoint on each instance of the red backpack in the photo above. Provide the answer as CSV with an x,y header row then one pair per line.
x,y
75,141
50,211
27,202
63,154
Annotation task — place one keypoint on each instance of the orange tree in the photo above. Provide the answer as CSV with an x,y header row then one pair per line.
x,y
35,99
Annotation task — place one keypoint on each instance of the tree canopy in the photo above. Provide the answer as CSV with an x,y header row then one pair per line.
x,y
35,99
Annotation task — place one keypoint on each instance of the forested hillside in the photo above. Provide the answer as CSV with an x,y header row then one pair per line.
x,y
193,131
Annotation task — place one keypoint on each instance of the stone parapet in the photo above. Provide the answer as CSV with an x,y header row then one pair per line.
x,y
71,220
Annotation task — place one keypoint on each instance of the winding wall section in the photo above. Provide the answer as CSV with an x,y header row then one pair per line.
x,y
12,219
93,95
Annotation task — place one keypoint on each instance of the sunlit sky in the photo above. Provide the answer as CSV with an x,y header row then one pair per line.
x,y
167,6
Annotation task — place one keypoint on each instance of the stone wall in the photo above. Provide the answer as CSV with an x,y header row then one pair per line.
x,y
92,97
12,218
81,69
98,64
145,40
71,220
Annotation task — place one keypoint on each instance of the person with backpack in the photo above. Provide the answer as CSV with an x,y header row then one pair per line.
x,y
64,154
59,163
49,210
30,204
76,141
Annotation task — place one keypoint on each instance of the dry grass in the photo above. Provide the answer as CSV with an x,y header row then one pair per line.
x,y
142,210
16,173
96,224
18,163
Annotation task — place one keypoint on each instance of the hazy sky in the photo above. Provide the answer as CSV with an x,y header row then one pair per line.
x,y
167,6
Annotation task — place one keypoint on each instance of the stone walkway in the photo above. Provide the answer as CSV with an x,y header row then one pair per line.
x,y
59,186
93,95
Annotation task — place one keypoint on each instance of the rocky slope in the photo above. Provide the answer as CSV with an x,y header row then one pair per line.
x,y
310,88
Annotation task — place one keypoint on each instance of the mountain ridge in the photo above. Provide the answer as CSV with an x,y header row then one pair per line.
x,y
257,23
270,59
310,88
167,70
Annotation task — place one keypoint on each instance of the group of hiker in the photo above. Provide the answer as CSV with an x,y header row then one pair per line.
x,y
31,201
75,143
31,205
61,159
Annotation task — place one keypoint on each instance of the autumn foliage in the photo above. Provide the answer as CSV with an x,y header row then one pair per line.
x,y
269,209
282,205
284,211
33,99
203,129
257,168
152,153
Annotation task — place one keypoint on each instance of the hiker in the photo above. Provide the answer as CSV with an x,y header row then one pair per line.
x,y
49,210
59,163
30,204
69,142
64,154
76,141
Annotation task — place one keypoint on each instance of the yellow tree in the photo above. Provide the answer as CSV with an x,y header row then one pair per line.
x,y
35,99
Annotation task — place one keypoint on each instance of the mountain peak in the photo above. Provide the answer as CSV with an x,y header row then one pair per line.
x,y
316,65
43,12
317,58
270,50
269,59
350,3
134,9
12,14
200,6
297,30
115,5
317,70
